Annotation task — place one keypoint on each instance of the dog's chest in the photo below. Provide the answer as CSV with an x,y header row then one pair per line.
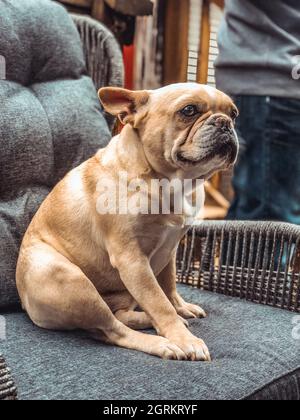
x,y
176,226
161,255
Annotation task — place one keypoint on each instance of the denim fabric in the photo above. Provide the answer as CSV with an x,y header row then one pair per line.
x,y
267,175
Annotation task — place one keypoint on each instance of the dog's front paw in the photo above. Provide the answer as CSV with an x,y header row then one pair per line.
x,y
194,348
186,310
189,310
184,321
166,350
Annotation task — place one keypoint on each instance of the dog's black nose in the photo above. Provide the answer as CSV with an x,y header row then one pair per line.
x,y
222,122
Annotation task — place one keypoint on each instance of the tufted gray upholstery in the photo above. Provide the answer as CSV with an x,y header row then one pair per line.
x,y
50,119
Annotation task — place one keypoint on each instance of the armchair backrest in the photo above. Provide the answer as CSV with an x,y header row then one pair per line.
x,y
102,54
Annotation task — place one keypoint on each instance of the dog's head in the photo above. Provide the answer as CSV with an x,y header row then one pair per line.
x,y
186,127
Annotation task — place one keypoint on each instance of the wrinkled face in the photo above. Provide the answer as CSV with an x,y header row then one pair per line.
x,y
185,127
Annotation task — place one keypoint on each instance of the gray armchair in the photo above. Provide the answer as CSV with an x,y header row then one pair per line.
x,y
255,347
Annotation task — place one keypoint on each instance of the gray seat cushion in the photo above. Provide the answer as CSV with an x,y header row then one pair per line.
x,y
50,119
254,356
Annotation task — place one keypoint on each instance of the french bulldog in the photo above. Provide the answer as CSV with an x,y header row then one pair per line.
x,y
114,273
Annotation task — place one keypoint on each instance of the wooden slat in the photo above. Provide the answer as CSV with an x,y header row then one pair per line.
x,y
204,44
126,7
99,12
176,41
78,3
217,196
132,7
214,213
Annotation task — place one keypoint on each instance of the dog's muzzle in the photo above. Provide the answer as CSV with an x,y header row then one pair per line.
x,y
217,138
223,140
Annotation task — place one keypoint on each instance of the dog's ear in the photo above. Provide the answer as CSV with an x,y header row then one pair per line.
x,y
123,103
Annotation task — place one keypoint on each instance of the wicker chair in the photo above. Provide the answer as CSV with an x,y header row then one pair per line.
x,y
256,261
8,389
105,66
102,54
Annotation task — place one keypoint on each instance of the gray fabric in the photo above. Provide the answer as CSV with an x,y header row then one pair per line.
x,y
50,118
251,345
258,42
286,388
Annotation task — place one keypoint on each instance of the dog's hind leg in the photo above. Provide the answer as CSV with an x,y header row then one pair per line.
x,y
139,320
134,319
57,295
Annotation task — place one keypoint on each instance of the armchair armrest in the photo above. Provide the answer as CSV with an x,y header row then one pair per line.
x,y
8,390
257,261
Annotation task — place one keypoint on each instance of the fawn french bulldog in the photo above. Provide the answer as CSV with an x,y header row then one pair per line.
x,y
82,269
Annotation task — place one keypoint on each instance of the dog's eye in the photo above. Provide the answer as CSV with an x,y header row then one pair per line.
x,y
190,111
